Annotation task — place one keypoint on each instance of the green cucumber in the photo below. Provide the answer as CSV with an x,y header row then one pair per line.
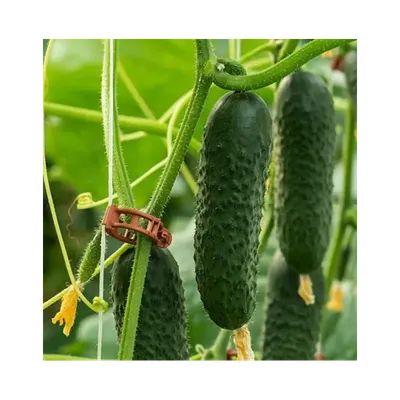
x,y
304,148
292,328
161,332
350,71
232,175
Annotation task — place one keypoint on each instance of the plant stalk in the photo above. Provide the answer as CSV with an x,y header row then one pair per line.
x,y
279,70
336,244
156,205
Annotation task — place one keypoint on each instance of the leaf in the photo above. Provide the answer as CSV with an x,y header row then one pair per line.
x,y
87,334
339,336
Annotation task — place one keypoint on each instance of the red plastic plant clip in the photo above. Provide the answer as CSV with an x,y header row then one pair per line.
x,y
154,229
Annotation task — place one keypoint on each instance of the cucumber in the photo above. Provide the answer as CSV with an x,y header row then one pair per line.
x,y
304,148
292,328
161,332
232,175
350,71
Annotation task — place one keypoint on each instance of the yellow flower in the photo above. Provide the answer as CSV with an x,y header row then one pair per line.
x,y
336,301
305,290
328,54
242,342
67,311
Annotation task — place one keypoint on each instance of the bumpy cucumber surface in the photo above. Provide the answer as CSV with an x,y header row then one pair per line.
x,y
291,328
350,70
232,174
304,146
161,333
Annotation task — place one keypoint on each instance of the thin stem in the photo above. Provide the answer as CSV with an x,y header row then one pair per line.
x,y
266,229
134,92
107,263
132,136
336,244
289,46
110,116
204,54
258,63
278,70
232,48
221,344
264,47
131,123
238,49
54,299
85,114
51,202
186,130
91,204
170,110
196,357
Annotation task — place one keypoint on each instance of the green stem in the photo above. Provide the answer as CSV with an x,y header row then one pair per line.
x,y
232,49
264,47
120,173
107,263
266,229
288,47
188,126
90,204
221,344
279,70
336,244
134,92
51,203
127,122
204,53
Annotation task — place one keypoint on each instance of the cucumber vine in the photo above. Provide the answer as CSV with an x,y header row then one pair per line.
x,y
207,74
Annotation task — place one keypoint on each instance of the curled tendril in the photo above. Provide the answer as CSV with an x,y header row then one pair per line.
x,y
100,304
83,200
200,349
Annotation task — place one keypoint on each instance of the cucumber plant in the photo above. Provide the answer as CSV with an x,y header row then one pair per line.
x,y
234,157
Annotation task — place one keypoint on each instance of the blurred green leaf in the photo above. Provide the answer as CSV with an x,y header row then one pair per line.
x,y
340,328
87,334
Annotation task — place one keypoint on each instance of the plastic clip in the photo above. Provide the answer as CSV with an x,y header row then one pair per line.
x,y
154,229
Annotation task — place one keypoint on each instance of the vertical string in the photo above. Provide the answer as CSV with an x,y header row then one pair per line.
x,y
110,107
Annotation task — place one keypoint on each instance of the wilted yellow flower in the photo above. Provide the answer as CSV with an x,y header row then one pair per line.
x,y
242,342
305,290
328,54
67,311
336,301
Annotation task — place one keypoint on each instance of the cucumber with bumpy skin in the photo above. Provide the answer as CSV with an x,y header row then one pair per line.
x,y
292,328
232,174
304,148
161,332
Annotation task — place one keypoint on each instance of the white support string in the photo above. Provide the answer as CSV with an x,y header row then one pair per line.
x,y
110,107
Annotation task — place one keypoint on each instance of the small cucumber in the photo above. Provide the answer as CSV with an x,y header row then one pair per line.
x,y
161,332
304,148
292,328
232,175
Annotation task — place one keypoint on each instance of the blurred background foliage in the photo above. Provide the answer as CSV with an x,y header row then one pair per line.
x,y
162,71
